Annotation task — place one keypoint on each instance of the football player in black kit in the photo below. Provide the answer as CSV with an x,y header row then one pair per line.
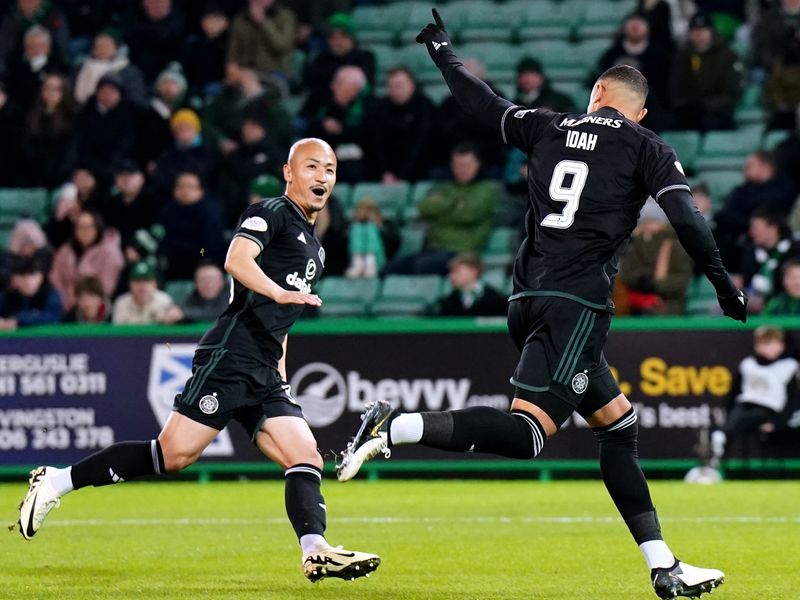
x,y
588,177
239,372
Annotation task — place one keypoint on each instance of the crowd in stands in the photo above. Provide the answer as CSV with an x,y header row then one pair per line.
x,y
147,127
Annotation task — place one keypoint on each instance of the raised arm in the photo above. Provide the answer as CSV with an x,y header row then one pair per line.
x,y
473,95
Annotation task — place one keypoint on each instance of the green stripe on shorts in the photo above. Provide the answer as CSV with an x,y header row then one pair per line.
x,y
566,356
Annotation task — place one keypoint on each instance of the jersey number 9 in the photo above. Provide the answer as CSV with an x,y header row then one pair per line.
x,y
574,172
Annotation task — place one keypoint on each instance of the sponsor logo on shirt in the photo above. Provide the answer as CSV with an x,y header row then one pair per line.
x,y
255,224
294,280
605,121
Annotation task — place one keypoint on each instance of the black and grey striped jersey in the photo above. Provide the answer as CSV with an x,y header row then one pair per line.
x,y
293,257
588,177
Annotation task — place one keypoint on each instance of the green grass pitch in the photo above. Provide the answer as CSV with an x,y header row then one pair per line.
x,y
440,540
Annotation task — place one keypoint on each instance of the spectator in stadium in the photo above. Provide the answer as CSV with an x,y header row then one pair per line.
x,y
24,15
706,79
257,154
131,206
703,201
782,89
454,128
655,269
772,30
662,23
27,71
93,250
12,170
471,296
90,302
155,134
210,296
787,153
457,216
765,381
190,151
401,126
106,58
47,142
771,246
787,301
155,36
268,186
535,90
106,128
342,122
192,228
312,21
263,38
27,241
367,253
341,49
203,54
144,304
635,47
30,300
244,90
79,193
763,189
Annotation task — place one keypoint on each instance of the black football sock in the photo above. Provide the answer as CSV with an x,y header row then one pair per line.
x,y
484,429
121,462
305,505
625,482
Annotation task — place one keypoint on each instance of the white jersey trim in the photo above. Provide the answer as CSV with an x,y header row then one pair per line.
x,y
503,122
669,188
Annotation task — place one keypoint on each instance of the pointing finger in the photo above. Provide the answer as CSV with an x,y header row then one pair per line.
x,y
437,18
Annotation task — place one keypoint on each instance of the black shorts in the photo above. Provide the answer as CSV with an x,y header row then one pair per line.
x,y
226,386
561,367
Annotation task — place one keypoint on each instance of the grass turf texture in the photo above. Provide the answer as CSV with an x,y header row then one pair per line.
x,y
439,540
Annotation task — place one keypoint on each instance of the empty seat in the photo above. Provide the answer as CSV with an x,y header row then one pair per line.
x,y
603,18
773,138
500,247
701,297
346,297
686,145
543,19
407,294
728,149
488,22
412,240
720,183
178,290
18,203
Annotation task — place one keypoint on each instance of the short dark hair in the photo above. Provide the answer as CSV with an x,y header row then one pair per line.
x,y
770,218
765,156
768,333
467,148
629,76
467,259
89,285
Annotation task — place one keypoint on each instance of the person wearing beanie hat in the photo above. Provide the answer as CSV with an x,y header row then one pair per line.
x,y
534,89
155,133
706,79
341,50
265,186
106,58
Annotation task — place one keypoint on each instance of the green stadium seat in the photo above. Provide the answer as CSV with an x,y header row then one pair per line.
x,y
344,194
385,58
18,203
686,145
773,138
751,97
562,60
497,278
603,19
407,294
437,92
728,149
391,198
720,183
178,290
420,190
412,240
546,20
500,247
377,24
346,297
749,116
701,297
414,16
488,22
6,229
500,59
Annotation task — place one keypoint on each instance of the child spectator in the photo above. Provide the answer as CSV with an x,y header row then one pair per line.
x,y
90,302
31,300
94,250
367,253
765,381
144,304
787,302
471,297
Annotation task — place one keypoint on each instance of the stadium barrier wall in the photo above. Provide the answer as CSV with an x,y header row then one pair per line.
x,y
66,391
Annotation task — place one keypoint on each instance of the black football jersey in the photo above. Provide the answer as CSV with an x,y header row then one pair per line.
x,y
588,177
292,256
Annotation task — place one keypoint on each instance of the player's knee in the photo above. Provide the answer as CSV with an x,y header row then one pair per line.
x,y
176,460
532,436
307,454
624,431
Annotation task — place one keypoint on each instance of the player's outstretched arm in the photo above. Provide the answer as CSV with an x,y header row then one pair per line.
x,y
473,95
699,243
241,264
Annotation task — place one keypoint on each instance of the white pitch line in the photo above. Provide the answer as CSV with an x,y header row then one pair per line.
x,y
745,519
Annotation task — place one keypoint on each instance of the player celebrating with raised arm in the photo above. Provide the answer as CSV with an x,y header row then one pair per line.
x,y
588,177
239,372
